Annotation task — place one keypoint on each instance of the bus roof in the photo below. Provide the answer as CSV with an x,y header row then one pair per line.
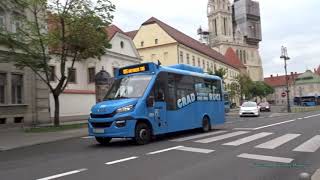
x,y
150,67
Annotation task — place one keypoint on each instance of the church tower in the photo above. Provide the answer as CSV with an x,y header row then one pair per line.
x,y
220,22
238,26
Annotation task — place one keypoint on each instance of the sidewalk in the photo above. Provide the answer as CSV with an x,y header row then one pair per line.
x,y
16,137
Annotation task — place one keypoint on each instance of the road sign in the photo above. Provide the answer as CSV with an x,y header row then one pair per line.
x,y
283,94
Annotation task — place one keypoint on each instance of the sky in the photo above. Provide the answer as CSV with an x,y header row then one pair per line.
x,y
292,23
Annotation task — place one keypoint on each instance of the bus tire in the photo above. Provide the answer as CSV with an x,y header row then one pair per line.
x,y
103,140
206,125
142,134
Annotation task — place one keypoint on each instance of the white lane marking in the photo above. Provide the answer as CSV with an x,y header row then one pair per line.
x,y
87,137
266,158
311,116
164,150
248,139
197,136
197,150
63,174
300,118
245,129
225,136
121,160
311,145
274,143
262,127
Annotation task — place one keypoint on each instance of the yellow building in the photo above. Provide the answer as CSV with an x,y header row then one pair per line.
x,y
156,40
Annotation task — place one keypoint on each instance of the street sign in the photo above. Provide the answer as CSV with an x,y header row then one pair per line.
x,y
283,94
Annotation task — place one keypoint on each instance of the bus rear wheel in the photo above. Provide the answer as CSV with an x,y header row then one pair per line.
x,y
142,134
103,140
206,125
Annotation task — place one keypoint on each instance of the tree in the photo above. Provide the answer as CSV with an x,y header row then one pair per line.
x,y
221,72
245,86
75,32
261,89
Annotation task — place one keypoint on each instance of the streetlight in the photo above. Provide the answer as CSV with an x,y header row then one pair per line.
x,y
285,57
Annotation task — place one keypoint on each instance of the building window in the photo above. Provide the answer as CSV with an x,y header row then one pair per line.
x,y
193,61
211,66
203,64
156,41
188,59
153,57
208,66
142,43
91,74
52,73
245,57
16,88
225,26
181,57
165,56
2,19
114,71
72,75
16,23
199,64
241,56
3,80
122,44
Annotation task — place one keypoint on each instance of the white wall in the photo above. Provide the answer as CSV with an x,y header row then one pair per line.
x,y
74,104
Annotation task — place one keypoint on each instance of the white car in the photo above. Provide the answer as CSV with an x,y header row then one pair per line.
x,y
249,109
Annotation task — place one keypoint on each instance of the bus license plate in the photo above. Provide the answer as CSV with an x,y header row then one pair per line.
x,y
98,131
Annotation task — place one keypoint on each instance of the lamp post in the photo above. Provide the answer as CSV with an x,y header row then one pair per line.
x,y
284,56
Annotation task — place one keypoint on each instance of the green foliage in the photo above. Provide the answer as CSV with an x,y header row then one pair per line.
x,y
245,84
221,72
261,89
66,30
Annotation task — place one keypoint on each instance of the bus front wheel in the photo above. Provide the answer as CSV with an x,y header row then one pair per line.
x,y
103,140
206,125
142,134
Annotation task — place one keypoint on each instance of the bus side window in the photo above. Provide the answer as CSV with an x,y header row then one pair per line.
x,y
216,87
160,87
171,93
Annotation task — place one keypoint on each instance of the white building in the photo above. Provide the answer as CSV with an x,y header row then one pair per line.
x,y
79,96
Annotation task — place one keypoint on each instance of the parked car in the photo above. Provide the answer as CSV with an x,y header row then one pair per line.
x,y
249,109
265,106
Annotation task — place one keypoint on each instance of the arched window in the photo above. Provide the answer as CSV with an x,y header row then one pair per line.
x,y
156,41
122,44
142,43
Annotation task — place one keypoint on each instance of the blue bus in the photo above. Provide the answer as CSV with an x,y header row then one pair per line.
x,y
148,99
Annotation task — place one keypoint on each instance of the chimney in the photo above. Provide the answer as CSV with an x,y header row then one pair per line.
x,y
277,75
271,76
291,73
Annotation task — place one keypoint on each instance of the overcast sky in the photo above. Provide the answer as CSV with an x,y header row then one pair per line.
x,y
293,23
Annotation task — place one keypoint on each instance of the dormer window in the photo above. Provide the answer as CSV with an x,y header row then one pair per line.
x,y
122,44
156,41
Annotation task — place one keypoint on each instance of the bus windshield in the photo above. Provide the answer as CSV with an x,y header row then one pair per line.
x,y
128,87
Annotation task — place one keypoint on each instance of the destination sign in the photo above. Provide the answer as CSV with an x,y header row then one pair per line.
x,y
134,69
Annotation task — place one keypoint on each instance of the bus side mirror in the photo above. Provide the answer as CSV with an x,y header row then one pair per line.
x,y
150,101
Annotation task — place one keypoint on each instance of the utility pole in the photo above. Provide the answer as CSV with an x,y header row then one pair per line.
x,y
285,57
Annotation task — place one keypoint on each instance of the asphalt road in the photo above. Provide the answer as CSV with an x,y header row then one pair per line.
x,y
270,147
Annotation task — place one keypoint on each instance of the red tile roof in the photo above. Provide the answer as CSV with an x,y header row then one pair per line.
x,y
189,42
132,34
276,81
112,30
232,57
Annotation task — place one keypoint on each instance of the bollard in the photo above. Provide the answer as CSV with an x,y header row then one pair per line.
x,y
304,176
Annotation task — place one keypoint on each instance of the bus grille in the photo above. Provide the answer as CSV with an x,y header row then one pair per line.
x,y
102,115
101,124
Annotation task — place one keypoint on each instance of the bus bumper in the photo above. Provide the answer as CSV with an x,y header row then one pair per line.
x,y
112,130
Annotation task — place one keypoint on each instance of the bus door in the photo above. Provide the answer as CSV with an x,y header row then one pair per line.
x,y
159,107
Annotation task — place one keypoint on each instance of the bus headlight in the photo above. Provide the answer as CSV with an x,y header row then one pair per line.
x,y
125,109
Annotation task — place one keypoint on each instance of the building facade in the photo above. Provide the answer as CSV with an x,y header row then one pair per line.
x,y
237,26
157,41
24,98
300,85
79,96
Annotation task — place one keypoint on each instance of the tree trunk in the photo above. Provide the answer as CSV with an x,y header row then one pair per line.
x,y
56,110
